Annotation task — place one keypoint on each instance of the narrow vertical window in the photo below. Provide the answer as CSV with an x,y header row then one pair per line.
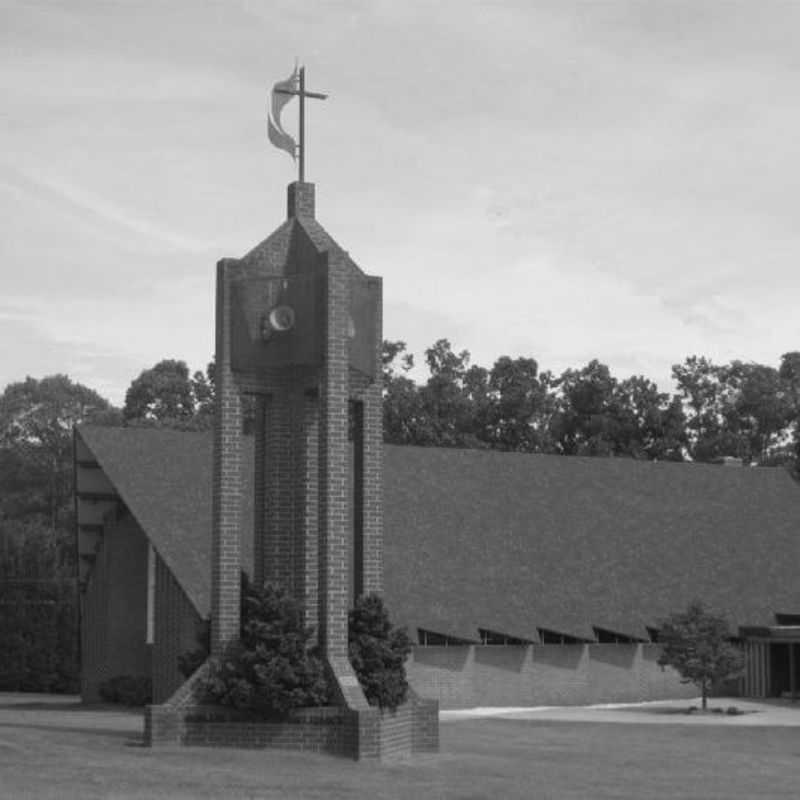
x,y
151,594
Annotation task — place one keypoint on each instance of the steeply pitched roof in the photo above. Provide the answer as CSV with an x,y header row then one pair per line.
x,y
514,542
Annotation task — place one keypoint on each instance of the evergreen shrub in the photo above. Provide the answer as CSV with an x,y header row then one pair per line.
x,y
127,690
274,668
378,653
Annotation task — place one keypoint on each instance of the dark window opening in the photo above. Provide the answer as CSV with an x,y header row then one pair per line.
x,y
653,634
432,639
605,636
787,619
493,637
554,637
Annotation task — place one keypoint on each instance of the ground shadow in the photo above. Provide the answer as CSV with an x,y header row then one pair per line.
x,y
55,728
69,705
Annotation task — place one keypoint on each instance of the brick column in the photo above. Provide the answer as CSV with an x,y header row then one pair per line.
x,y
333,482
307,563
259,488
300,200
226,482
372,493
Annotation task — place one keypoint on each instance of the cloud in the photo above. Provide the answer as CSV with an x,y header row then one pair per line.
x,y
107,344
78,198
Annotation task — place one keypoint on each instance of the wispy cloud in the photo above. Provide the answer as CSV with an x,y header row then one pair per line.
x,y
102,208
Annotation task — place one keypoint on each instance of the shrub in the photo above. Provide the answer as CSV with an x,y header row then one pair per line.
x,y
127,690
273,668
378,653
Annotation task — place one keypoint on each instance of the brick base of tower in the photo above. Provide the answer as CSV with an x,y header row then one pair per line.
x,y
315,373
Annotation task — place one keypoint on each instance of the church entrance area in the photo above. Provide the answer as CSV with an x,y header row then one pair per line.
x,y
785,670
771,661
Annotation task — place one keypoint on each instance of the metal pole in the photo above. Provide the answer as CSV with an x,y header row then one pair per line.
x,y
302,147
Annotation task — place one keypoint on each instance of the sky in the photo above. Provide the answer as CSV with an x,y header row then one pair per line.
x,y
557,180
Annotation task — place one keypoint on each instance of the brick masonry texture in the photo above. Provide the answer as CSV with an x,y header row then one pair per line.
x,y
368,734
469,676
226,487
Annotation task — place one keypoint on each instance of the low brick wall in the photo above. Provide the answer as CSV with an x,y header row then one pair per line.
x,y
326,729
360,734
412,728
491,675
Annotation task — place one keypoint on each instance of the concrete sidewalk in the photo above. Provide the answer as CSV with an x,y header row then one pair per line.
x,y
664,712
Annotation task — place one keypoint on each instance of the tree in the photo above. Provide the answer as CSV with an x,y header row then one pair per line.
x,y
203,388
451,398
789,372
584,421
38,589
162,393
520,406
167,396
697,644
390,352
36,421
649,424
742,410
759,408
403,416
38,608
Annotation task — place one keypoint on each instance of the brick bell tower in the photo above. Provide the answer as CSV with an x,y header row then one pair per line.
x,y
298,328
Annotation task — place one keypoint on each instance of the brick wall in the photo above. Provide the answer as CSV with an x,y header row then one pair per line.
x,y
464,677
372,441
114,609
368,734
226,486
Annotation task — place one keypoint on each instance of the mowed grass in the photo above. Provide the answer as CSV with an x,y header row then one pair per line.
x,y
52,750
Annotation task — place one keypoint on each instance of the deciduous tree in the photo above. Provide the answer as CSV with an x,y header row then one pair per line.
x,y
697,644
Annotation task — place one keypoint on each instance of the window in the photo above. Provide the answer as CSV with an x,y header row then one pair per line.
x,y
493,637
554,637
432,639
605,636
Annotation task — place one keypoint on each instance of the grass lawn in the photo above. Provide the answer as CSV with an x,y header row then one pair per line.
x,y
59,750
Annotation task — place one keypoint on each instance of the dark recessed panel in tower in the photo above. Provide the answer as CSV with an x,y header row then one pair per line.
x,y
362,324
276,322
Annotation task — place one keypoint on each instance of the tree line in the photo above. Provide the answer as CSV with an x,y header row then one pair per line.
x,y
738,409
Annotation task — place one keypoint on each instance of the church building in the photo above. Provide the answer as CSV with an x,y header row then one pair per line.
x,y
522,579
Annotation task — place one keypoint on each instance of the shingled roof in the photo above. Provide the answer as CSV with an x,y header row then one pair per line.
x,y
513,543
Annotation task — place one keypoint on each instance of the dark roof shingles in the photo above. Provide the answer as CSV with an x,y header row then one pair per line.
x,y
514,542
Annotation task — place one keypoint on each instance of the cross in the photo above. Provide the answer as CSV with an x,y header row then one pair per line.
x,y
302,94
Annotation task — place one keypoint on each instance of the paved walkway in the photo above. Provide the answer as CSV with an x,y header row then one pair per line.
x,y
67,712
670,712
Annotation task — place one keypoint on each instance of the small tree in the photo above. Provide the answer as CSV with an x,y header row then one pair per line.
x,y
273,668
697,644
378,653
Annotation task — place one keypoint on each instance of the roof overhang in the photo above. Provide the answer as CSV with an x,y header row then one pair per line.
x,y
772,633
